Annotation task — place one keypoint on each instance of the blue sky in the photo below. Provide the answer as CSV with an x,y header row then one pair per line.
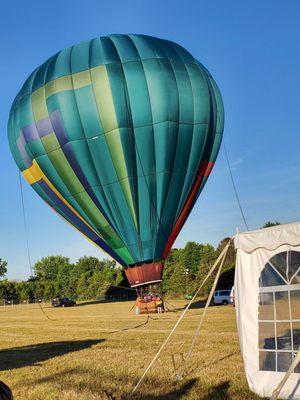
x,y
252,50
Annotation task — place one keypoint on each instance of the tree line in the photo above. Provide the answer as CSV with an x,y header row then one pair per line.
x,y
91,278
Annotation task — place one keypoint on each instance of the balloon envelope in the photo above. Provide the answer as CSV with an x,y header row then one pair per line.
x,y
119,135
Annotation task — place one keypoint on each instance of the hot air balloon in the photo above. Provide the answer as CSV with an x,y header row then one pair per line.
x,y
119,135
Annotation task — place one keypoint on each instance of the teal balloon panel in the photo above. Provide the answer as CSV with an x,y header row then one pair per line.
x,y
119,135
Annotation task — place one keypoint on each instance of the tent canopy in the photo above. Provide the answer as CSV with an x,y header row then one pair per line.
x,y
267,298
269,238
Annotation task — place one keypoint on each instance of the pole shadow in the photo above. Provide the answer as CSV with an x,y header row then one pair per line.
x,y
175,394
218,392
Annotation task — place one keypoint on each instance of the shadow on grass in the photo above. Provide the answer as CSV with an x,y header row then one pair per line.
x,y
218,392
18,357
96,387
217,361
93,385
90,302
174,394
104,301
195,305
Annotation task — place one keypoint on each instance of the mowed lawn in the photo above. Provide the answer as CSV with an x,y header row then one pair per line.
x,y
99,351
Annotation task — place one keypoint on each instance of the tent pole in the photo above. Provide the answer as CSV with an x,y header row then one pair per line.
x,y
208,301
220,258
294,364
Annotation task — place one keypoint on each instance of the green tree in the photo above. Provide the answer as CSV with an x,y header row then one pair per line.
x,y
8,290
3,269
270,223
48,267
226,279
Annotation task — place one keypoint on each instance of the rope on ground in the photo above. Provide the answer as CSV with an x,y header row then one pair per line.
x,y
43,311
136,326
171,305
224,251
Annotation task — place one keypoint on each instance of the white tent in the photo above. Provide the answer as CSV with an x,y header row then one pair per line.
x,y
267,297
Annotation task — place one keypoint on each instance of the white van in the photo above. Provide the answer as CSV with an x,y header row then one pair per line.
x,y
224,297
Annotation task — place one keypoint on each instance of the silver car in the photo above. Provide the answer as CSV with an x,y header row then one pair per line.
x,y
223,297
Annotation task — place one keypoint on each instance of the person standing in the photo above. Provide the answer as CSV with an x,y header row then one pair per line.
x,y
159,305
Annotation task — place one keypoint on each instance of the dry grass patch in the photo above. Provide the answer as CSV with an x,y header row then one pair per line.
x,y
87,351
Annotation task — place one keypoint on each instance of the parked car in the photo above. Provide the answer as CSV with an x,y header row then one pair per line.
x,y
63,302
223,297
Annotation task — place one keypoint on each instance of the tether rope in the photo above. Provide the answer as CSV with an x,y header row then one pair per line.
x,y
234,186
27,240
25,224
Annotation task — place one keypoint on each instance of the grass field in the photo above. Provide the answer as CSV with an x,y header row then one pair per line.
x,y
87,351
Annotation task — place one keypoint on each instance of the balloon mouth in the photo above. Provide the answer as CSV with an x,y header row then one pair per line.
x,y
145,274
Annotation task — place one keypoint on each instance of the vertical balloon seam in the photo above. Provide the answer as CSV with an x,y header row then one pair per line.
x,y
183,123
93,161
129,117
164,210
83,129
182,200
118,127
188,205
161,228
214,93
116,154
194,105
136,145
112,205
95,99
195,193
126,139
130,163
131,138
152,203
160,45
